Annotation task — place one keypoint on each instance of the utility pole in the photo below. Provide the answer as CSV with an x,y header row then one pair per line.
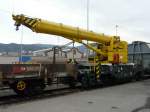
x,y
73,51
21,44
87,11
88,2
116,30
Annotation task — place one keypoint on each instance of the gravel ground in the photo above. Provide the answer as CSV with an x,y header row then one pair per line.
x,y
131,97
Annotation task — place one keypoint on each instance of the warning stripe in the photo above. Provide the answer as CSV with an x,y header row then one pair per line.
x,y
97,76
97,72
96,60
30,22
97,68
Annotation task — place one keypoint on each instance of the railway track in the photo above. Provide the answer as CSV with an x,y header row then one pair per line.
x,y
4,88
16,99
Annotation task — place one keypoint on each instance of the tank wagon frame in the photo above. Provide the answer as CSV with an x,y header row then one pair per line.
x,y
29,79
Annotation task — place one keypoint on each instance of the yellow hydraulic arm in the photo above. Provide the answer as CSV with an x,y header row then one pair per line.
x,y
109,48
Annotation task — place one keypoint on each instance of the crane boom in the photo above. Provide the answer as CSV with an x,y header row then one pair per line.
x,y
109,48
43,26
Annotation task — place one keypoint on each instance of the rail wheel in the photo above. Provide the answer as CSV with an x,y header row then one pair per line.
x,y
106,80
88,81
28,88
72,82
37,86
21,87
85,82
92,81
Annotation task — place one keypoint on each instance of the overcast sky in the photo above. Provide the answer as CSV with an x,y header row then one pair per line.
x,y
132,17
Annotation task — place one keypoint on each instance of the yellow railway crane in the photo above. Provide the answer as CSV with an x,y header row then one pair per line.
x,y
111,56
110,49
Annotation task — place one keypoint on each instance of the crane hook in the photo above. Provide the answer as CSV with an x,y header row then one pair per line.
x,y
17,26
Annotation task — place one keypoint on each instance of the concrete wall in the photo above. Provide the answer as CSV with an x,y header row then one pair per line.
x,y
8,59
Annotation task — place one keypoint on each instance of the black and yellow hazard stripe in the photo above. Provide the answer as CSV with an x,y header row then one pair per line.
x,y
30,22
97,68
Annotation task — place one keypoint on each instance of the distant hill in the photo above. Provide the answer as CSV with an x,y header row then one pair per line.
x,y
13,47
26,47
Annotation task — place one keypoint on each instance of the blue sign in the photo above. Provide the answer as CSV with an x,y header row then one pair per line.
x,y
24,59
